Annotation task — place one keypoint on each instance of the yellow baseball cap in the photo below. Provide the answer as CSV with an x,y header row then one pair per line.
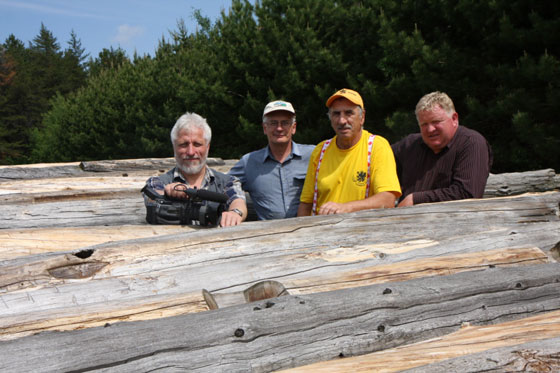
x,y
348,94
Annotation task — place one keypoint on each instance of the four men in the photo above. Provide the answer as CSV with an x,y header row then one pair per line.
x,y
444,161
274,176
355,170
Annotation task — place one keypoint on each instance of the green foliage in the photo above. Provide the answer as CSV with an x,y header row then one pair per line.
x,y
29,78
498,60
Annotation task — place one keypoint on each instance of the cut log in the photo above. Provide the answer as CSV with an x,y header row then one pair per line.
x,y
16,243
73,211
162,164
71,169
39,170
540,356
292,331
145,278
531,344
508,184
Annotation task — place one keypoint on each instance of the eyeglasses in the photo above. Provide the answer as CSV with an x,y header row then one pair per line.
x,y
274,123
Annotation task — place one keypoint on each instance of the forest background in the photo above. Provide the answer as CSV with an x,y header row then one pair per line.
x,y
497,59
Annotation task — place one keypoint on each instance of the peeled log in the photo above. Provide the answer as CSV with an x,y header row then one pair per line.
x,y
293,331
150,277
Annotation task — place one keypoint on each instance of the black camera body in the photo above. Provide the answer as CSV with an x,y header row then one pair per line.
x,y
202,207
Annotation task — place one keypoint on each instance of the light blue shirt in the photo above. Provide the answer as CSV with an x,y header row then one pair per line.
x,y
274,187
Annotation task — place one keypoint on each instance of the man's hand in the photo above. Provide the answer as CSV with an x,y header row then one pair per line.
x,y
230,218
330,208
176,194
407,201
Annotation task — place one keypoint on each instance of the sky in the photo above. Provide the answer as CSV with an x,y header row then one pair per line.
x,y
133,25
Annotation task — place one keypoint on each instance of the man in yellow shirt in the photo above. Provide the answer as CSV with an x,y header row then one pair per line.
x,y
354,170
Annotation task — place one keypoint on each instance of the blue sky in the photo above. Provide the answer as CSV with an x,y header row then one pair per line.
x,y
134,25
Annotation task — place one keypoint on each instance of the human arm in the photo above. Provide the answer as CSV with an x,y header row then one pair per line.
x,y
304,209
306,197
238,170
379,200
467,171
407,201
230,217
236,201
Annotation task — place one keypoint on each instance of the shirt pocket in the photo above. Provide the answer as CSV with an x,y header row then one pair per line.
x,y
299,179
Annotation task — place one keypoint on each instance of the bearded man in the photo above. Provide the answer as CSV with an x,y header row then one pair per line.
x,y
191,137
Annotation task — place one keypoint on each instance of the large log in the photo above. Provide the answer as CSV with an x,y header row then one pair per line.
x,y
71,169
24,242
162,164
39,170
514,183
540,356
530,344
292,331
151,277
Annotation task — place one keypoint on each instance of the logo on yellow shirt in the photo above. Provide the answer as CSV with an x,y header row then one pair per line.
x,y
360,178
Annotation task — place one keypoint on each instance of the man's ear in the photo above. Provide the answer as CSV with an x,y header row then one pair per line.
x,y
455,118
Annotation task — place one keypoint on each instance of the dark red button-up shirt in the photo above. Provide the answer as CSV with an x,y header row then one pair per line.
x,y
459,171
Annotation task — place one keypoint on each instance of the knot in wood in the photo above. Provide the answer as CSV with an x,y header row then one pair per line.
x,y
239,332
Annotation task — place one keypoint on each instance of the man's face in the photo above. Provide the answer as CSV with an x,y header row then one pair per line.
x,y
191,151
437,127
279,127
346,120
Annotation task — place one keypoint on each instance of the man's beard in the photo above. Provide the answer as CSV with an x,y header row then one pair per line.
x,y
191,170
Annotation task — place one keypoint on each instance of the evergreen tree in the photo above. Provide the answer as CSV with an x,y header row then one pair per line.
x,y
498,60
38,73
107,59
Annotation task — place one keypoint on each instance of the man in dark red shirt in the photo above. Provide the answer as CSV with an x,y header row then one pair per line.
x,y
444,161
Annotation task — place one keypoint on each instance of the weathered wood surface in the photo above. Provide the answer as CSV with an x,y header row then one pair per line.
x,y
75,253
539,356
298,330
508,184
164,276
72,169
531,344
162,164
108,192
24,242
39,170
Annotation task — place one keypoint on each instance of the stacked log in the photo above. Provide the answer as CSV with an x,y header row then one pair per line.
x,y
381,290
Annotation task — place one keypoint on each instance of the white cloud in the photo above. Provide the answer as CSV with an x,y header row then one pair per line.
x,y
60,9
126,33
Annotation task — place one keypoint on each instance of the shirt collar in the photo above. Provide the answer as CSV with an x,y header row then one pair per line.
x,y
296,152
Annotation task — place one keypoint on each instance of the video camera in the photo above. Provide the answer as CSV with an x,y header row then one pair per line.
x,y
203,207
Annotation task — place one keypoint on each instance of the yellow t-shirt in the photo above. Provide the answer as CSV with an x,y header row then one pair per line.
x,y
342,176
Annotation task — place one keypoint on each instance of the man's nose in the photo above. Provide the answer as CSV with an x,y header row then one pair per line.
x,y
190,149
342,119
430,127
